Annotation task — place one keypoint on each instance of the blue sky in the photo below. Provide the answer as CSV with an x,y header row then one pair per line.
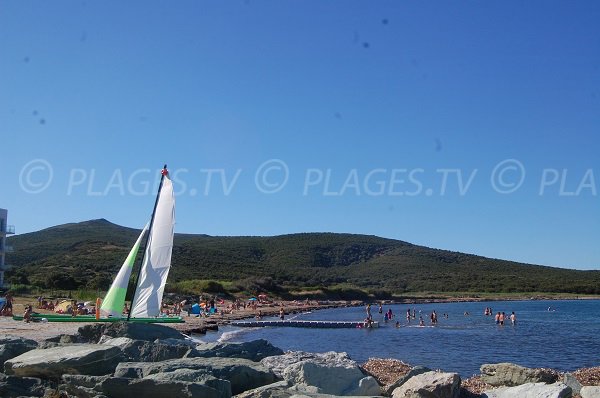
x,y
469,126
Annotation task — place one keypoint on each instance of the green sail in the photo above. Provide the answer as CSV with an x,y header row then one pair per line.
x,y
113,303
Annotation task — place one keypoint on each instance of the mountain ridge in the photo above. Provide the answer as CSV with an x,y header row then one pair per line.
x,y
90,253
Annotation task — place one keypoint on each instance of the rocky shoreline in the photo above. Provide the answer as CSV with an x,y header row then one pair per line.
x,y
151,360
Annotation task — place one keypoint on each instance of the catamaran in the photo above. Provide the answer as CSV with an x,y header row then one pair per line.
x,y
154,270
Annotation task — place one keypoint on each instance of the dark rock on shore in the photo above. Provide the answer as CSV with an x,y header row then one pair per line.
x,y
253,350
243,374
13,346
12,386
135,331
148,351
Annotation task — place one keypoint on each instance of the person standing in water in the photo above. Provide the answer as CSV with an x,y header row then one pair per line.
x,y
513,318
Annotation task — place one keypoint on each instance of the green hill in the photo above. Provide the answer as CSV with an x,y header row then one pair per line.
x,y
88,254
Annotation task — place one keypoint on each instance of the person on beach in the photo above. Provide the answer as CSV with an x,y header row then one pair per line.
x,y
497,318
397,324
433,318
513,318
385,317
501,318
281,313
408,315
8,306
27,313
380,308
421,321
390,314
414,316
368,308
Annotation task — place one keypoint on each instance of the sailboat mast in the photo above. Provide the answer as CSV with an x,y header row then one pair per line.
x,y
163,173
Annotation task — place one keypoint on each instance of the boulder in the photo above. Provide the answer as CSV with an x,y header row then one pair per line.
x,y
91,386
572,382
277,364
531,390
81,386
334,378
590,392
509,374
279,389
430,385
135,331
147,351
195,376
417,370
243,374
13,346
253,350
282,389
116,387
90,359
11,386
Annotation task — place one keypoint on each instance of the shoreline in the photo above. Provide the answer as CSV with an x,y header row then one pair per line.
x,y
40,331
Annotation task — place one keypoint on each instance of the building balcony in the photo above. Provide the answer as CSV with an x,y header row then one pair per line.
x,y
7,230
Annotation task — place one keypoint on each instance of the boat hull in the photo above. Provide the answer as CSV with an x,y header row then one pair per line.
x,y
92,318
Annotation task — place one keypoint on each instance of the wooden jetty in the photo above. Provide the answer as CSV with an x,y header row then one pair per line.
x,y
305,324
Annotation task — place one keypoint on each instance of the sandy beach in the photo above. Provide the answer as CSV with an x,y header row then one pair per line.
x,y
40,331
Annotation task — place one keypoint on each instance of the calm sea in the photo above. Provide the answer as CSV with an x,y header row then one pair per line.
x,y
563,335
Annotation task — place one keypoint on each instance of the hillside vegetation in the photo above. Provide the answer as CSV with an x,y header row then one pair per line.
x,y
88,254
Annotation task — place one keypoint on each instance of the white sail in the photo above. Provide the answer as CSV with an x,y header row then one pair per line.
x,y
113,303
157,259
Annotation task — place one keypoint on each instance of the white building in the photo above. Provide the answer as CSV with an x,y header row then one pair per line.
x,y
5,230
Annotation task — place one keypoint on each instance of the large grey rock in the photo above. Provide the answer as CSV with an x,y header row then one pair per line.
x,y
417,370
531,390
337,378
277,364
116,387
279,389
81,386
133,330
90,359
509,374
243,374
147,351
253,350
13,346
430,385
195,376
590,392
572,382
12,386
282,389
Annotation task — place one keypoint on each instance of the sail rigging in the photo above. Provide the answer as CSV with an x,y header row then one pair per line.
x,y
157,257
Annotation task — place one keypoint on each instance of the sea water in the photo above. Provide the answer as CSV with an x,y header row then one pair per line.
x,y
564,335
